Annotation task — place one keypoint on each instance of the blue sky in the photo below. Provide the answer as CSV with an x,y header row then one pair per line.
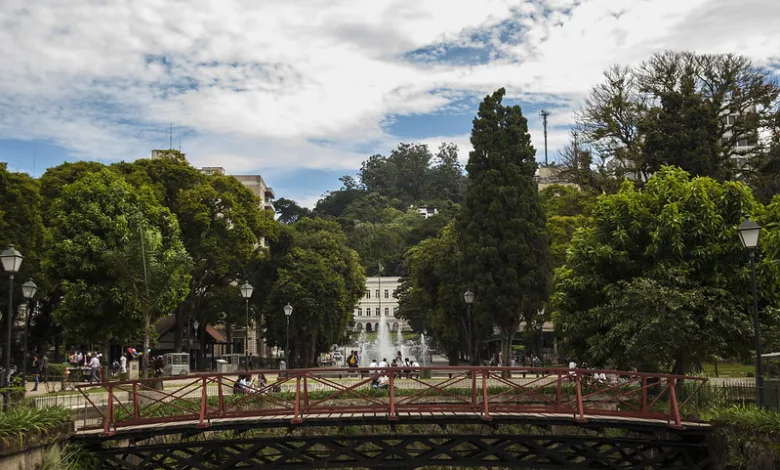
x,y
302,92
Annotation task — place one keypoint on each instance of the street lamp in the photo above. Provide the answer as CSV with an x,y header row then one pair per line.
x,y
246,291
12,261
749,233
541,336
28,291
288,313
468,296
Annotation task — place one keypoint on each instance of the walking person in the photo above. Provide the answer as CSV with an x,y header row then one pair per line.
x,y
44,366
94,365
36,371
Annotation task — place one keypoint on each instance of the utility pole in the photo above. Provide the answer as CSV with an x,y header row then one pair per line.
x,y
544,115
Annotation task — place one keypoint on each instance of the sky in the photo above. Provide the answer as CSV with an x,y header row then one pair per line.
x,y
302,91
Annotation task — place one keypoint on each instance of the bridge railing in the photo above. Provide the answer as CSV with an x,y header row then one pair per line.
x,y
397,394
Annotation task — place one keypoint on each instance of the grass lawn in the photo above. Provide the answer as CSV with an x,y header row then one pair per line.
x,y
729,369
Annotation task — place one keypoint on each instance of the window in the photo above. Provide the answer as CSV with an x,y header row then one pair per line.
x,y
387,311
238,345
387,294
368,294
377,294
360,312
378,313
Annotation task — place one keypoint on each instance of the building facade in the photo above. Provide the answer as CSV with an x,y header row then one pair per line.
x,y
379,304
257,185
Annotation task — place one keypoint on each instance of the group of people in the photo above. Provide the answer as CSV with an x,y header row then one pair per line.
x,y
89,360
247,384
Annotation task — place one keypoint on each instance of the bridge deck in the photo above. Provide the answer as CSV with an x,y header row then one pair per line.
x,y
350,419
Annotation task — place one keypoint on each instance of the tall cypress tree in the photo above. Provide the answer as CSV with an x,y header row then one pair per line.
x,y
502,225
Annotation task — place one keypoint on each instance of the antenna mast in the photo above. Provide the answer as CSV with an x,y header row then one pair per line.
x,y
170,143
544,115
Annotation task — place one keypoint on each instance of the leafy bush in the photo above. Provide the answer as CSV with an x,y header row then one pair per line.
x,y
751,435
22,422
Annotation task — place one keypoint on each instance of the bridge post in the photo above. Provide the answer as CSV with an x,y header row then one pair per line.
x,y
108,419
580,418
204,403
674,409
558,387
221,397
485,402
136,410
297,416
305,392
474,389
643,408
392,416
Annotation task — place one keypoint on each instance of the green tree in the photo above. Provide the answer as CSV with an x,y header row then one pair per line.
x,y
154,274
316,273
431,297
223,227
289,211
683,131
21,224
502,228
697,111
94,215
660,280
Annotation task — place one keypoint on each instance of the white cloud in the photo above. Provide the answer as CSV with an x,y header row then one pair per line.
x,y
258,82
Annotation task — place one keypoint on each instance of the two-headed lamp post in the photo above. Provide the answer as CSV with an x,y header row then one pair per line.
x,y
246,292
12,261
288,309
468,296
28,292
749,233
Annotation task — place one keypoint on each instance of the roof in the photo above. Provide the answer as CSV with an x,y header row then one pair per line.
x,y
166,324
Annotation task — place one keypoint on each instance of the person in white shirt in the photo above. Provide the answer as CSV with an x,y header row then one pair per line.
x,y
94,365
372,366
383,363
123,364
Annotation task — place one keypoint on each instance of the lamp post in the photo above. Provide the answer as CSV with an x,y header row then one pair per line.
x,y
12,261
749,233
469,298
246,291
28,291
288,313
195,326
540,314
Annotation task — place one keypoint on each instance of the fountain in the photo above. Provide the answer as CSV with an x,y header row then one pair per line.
x,y
383,347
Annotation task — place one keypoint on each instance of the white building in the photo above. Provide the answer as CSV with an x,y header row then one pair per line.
x,y
256,184
427,211
379,305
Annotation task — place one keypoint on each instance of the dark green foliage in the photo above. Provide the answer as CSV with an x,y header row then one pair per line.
x,y
696,111
502,229
660,281
289,211
683,131
96,214
313,270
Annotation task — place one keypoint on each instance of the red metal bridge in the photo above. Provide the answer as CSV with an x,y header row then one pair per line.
x,y
590,400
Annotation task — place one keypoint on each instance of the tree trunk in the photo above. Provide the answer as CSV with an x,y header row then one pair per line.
x,y
145,357
178,329
507,336
106,373
203,348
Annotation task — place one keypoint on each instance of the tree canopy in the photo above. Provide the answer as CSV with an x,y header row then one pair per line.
x,y
502,225
660,281
316,273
